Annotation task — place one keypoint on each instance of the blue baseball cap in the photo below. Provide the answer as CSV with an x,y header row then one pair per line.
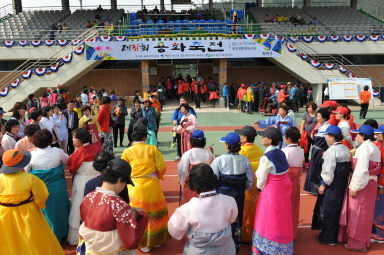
x,y
364,129
231,138
198,134
332,130
379,130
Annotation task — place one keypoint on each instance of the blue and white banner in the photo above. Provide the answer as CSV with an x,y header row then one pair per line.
x,y
62,42
22,43
75,42
120,38
307,39
40,71
54,68
293,39
36,43
67,59
4,92
303,56
49,42
27,75
315,63
291,48
334,38
264,36
184,49
361,38
348,38
342,69
15,84
80,49
374,38
105,38
9,44
322,38
329,66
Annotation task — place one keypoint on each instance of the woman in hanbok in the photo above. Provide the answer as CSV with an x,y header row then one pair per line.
x,y
296,159
48,163
253,153
342,115
10,138
26,144
18,113
187,125
89,122
197,155
359,201
378,221
22,197
235,176
313,178
110,225
205,220
273,232
151,136
148,166
334,174
149,113
80,164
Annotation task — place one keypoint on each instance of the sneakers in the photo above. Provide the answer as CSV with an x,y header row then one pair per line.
x,y
145,249
227,109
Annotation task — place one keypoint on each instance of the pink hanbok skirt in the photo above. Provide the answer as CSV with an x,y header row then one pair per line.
x,y
294,174
185,141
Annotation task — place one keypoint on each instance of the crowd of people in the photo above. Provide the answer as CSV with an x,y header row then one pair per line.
x,y
117,205
294,19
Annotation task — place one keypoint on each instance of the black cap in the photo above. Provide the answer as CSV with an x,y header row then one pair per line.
x,y
122,167
272,133
139,130
247,131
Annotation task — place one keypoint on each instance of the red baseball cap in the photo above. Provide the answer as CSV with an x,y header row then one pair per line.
x,y
326,104
342,110
333,104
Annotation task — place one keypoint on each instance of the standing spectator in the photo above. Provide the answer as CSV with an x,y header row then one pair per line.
x,y
113,96
188,124
89,24
26,226
308,123
48,163
72,124
32,103
18,113
364,96
196,88
119,111
241,94
160,95
97,101
296,98
169,88
36,116
47,122
208,232
52,30
213,97
80,164
295,159
262,95
204,91
359,202
136,113
10,137
250,99
342,116
104,119
84,97
256,98
149,112
225,96
65,27
89,122
60,123
235,176
157,105
273,220
26,144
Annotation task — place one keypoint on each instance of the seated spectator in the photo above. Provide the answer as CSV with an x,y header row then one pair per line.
x,y
301,21
267,19
99,9
163,11
59,27
274,18
314,21
66,28
286,18
89,24
94,24
293,19
155,11
381,30
374,30
280,18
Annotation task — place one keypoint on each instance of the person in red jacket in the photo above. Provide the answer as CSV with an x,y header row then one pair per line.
x,y
241,92
331,106
204,90
186,87
180,89
104,119
281,97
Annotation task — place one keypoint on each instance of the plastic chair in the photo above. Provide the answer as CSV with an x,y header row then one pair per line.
x,y
185,24
132,15
170,24
134,22
210,23
150,23
240,30
177,24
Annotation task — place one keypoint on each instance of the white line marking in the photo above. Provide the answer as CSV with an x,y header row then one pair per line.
x,y
304,226
304,194
171,197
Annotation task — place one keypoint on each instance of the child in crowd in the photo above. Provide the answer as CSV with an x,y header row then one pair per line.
x,y
273,232
295,158
235,176
378,222
334,174
207,219
359,202
282,121
90,123
253,153
197,155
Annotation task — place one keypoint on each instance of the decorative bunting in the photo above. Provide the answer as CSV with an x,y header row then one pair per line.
x,y
4,92
62,42
75,42
22,43
283,40
361,38
315,64
92,40
307,39
105,38
55,67
293,39
329,66
49,42
334,38
40,71
79,50
342,69
36,43
350,75
348,38
27,75
322,38
123,38
291,48
67,59
245,36
374,38
264,36
303,56
9,44
376,93
15,84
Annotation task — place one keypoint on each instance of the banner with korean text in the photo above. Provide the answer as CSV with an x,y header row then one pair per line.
x,y
184,49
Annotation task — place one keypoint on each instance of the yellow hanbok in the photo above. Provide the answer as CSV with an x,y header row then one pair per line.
x,y
24,229
148,166
253,153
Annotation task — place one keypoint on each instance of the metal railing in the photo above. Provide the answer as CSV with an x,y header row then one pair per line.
x,y
5,11
372,8
31,64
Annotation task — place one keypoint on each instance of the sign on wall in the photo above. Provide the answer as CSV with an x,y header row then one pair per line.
x,y
348,88
184,49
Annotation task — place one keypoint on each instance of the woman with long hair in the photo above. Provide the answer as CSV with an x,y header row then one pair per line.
x,y
18,113
308,123
187,125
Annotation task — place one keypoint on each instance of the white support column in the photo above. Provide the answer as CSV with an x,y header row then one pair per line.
x,y
317,93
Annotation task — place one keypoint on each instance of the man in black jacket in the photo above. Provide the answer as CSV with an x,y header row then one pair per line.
x,y
72,124
136,113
